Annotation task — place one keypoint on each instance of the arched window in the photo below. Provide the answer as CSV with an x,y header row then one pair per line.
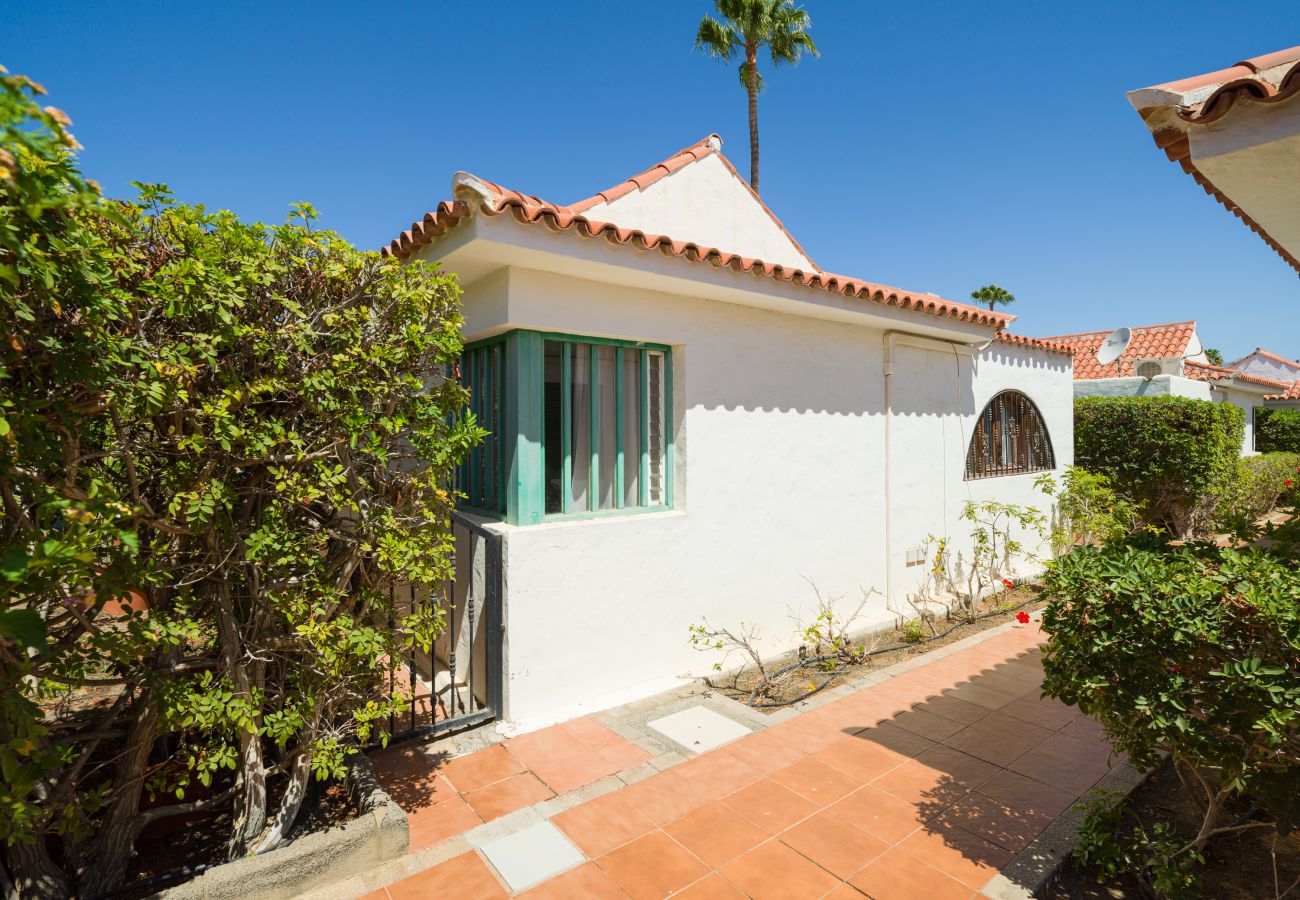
x,y
1010,439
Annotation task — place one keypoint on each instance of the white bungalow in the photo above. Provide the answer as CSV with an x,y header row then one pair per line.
x,y
1166,360
690,418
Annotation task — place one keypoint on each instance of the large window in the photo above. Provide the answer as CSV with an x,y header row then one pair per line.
x,y
1010,439
605,431
577,426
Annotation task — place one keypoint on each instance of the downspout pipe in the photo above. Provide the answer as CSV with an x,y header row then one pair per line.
x,y
889,345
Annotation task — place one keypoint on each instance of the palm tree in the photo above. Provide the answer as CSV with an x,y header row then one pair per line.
x,y
1214,356
993,296
745,26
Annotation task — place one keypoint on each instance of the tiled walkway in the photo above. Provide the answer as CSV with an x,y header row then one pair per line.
x,y
924,785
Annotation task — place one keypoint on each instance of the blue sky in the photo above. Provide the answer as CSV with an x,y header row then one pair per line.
x,y
934,145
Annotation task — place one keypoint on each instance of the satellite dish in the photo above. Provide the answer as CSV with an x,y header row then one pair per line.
x,y
1115,344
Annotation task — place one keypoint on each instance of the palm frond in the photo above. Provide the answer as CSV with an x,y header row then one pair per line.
x,y
716,38
743,72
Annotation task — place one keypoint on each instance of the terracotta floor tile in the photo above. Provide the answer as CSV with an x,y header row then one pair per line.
x,y
997,743
927,724
900,876
715,833
957,853
835,844
714,887
1022,792
587,880
1051,714
925,786
773,871
381,894
665,797
718,773
981,696
770,806
481,768
845,892
504,797
600,825
765,751
1001,823
462,876
589,731
891,737
620,754
546,745
1085,728
816,781
436,823
584,767
652,866
860,758
957,710
881,814
809,732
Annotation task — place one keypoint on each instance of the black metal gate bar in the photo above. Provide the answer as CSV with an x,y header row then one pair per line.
x,y
467,711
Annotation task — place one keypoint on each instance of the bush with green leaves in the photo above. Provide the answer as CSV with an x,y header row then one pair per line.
x,y
1192,651
1277,430
1258,485
245,427
1088,510
1169,455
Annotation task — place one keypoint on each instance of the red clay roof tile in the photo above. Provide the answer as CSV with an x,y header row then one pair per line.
x,y
1037,343
493,200
1148,342
1202,99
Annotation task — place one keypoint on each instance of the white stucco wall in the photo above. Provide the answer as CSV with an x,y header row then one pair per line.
x,y
779,481
1266,367
706,203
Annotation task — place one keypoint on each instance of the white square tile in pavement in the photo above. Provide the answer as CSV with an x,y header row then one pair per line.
x,y
532,855
699,728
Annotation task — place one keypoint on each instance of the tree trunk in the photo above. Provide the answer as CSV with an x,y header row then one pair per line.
x,y
250,782
33,873
299,773
113,842
751,60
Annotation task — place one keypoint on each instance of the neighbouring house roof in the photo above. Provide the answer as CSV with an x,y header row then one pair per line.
x,y
1199,371
1170,110
1166,341
1260,351
1292,392
475,196
1047,344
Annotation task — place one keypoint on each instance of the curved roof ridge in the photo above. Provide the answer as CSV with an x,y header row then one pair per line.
x,y
1136,328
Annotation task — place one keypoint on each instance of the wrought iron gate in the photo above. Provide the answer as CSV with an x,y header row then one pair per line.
x,y
457,682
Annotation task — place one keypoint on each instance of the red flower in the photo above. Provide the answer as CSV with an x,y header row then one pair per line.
x,y
1022,617
1008,583
1287,482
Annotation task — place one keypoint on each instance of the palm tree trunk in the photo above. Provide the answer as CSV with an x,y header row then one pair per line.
x,y
751,60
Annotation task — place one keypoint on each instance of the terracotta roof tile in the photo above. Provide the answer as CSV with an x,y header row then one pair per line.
x,y
1292,392
474,195
1199,371
1148,342
1203,99
1047,344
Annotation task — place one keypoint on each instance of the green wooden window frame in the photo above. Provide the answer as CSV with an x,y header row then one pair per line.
x,y
508,475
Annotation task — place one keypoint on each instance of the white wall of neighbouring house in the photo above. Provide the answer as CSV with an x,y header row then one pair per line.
x,y
1133,386
779,485
1246,401
1267,367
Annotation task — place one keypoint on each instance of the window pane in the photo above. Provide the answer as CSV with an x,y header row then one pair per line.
x,y
553,436
580,432
631,427
655,437
606,446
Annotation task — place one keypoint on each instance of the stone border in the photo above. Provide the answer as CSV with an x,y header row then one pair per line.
x,y
379,834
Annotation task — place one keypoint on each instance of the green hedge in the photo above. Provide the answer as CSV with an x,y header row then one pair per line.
x,y
1171,455
1277,430
1259,484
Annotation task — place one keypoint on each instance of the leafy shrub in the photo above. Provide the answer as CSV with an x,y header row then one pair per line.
x,y
1194,651
1113,846
239,424
1088,511
1277,430
1257,486
1166,454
